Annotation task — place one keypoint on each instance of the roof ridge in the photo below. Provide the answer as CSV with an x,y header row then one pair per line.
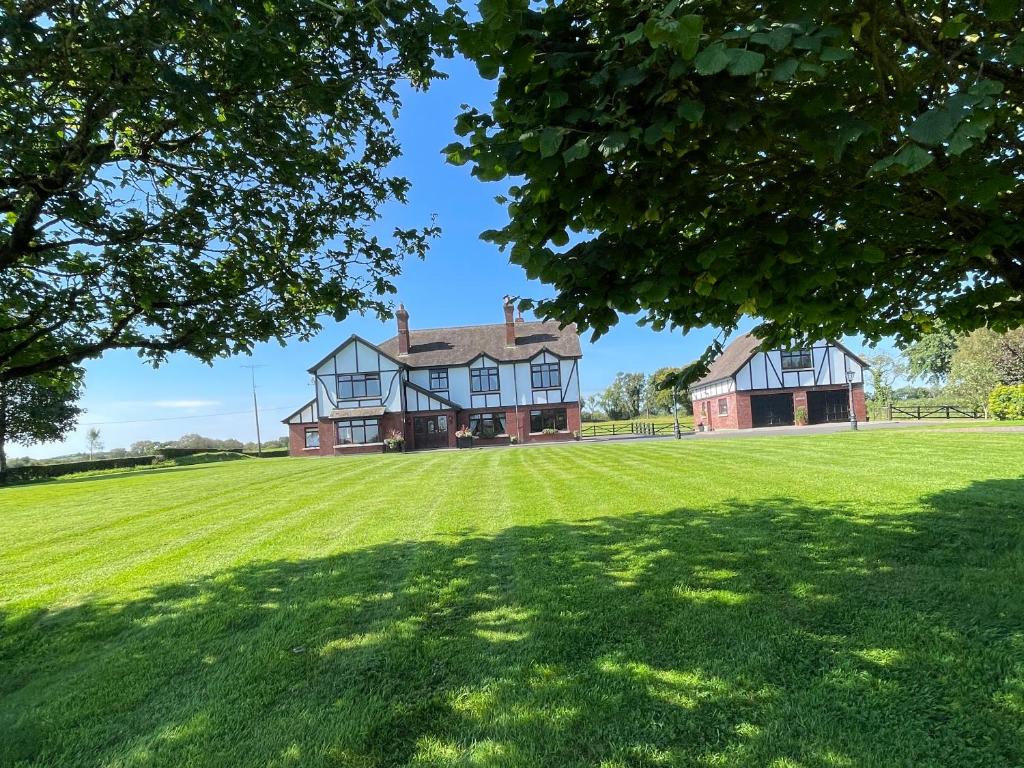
x,y
479,325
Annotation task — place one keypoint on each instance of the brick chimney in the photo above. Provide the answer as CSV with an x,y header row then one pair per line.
x,y
403,330
510,326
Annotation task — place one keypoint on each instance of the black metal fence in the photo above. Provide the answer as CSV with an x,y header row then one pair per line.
x,y
932,412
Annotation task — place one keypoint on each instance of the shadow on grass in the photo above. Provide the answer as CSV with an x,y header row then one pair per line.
x,y
756,633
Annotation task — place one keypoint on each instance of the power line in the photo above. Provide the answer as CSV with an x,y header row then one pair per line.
x,y
181,418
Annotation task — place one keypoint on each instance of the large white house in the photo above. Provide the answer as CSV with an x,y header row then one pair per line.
x,y
515,378
747,386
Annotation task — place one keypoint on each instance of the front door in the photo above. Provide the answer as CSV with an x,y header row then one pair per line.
x,y
827,406
430,432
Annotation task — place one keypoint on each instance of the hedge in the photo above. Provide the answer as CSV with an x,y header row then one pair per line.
x,y
1007,402
32,472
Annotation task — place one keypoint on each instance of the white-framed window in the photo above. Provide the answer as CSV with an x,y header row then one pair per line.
x,y
487,424
353,386
554,418
545,375
358,431
312,437
723,406
797,359
438,379
483,380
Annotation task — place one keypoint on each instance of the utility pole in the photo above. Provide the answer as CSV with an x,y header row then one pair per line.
x,y
255,407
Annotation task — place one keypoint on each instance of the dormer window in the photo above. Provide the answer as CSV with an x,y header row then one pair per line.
x,y
797,359
483,380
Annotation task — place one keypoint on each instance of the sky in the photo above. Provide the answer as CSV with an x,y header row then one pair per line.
x,y
461,282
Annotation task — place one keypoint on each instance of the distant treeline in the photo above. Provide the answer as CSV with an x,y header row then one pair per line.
x,y
151,447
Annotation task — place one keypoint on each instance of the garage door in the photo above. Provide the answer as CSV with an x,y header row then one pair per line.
x,y
830,405
771,410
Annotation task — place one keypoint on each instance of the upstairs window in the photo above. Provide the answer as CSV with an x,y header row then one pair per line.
x,y
438,379
353,386
483,379
545,375
796,359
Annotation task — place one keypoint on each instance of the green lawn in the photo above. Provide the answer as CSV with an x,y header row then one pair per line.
x,y
841,600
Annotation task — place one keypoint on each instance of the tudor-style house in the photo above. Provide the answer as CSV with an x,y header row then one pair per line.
x,y
515,378
747,386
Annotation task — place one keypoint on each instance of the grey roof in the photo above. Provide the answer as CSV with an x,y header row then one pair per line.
x,y
435,395
733,358
458,346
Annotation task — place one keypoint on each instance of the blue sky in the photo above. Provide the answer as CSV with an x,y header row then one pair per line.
x,y
461,282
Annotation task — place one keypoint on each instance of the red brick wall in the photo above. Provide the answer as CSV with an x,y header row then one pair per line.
x,y
740,416
297,440
572,422
712,420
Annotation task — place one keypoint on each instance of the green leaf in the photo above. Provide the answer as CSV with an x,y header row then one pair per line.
x,y
712,59
530,141
690,110
550,141
779,38
829,53
633,37
614,142
744,62
455,153
986,88
913,158
557,99
688,33
932,128
577,151
872,254
560,238
784,70
968,134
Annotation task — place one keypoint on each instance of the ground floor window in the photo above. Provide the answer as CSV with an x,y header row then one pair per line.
x,y
552,419
723,407
487,424
312,437
358,431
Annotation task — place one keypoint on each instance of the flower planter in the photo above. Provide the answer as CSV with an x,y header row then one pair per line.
x,y
464,442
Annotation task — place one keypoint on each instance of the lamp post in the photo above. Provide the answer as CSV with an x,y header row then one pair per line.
x,y
675,412
849,386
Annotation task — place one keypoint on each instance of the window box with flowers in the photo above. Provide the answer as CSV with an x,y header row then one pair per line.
x,y
464,437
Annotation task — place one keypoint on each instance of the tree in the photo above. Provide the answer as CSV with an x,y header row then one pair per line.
x,y
93,442
38,408
829,168
930,356
1009,361
972,373
660,390
624,397
884,370
185,176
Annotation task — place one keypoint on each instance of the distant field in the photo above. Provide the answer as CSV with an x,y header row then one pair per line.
x,y
835,600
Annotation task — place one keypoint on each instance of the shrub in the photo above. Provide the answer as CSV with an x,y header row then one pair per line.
x,y
800,416
1007,402
27,474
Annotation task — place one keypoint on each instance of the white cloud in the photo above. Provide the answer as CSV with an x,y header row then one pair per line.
x,y
185,403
